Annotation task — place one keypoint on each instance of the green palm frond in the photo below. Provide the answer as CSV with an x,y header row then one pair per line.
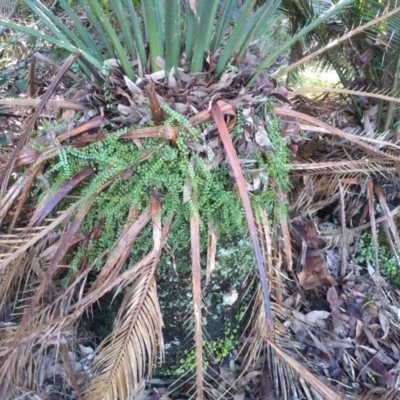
x,y
197,29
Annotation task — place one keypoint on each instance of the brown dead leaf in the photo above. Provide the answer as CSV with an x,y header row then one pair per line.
x,y
383,374
315,274
333,299
154,102
385,324
380,355
315,317
67,115
367,57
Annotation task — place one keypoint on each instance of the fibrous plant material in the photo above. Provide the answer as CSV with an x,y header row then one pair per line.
x,y
99,186
111,178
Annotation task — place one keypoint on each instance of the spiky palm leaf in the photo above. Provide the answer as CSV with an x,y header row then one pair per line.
x,y
367,61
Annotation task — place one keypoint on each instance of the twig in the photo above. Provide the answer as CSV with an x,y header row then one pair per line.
x,y
344,231
21,64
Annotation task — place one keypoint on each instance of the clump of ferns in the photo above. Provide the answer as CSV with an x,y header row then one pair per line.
x,y
157,168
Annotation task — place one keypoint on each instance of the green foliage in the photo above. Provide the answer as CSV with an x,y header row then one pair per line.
x,y
164,172
275,163
388,265
309,27
146,26
168,172
215,350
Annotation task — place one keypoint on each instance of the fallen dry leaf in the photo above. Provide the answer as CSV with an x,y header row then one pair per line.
x,y
314,317
315,274
385,324
333,299
382,373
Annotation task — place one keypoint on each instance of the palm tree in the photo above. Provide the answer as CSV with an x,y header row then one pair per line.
x,y
181,75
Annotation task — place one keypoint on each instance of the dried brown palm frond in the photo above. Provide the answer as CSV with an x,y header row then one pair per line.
x,y
277,355
56,313
335,159
137,329
129,353
304,351
132,345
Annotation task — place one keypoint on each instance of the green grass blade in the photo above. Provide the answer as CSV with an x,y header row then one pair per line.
x,y
254,27
286,46
191,26
150,19
233,37
47,20
97,26
248,31
225,17
137,32
206,25
65,44
172,34
200,6
159,6
119,50
125,26
90,44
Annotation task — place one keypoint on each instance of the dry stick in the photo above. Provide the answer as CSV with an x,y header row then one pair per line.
x,y
347,166
195,250
390,220
49,61
334,43
67,104
238,173
211,252
370,193
334,131
344,232
346,91
377,221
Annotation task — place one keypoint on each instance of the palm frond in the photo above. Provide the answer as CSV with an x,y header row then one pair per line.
x,y
130,352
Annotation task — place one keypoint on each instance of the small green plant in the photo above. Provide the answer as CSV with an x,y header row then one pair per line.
x,y
216,350
221,348
388,264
